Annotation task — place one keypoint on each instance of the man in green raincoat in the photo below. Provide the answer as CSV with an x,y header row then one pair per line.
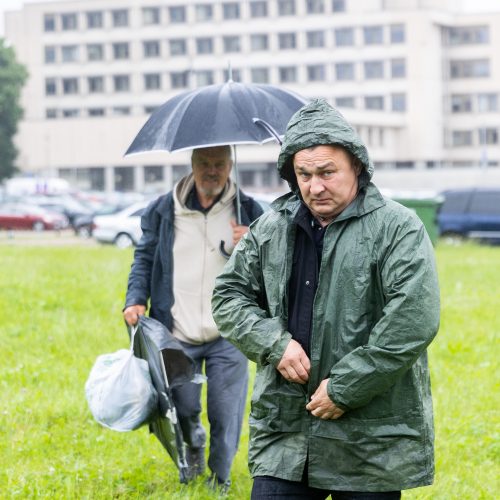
x,y
334,294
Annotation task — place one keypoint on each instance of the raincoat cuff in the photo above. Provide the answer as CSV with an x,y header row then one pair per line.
x,y
331,394
278,349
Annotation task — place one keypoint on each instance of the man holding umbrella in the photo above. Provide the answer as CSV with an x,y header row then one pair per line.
x,y
175,266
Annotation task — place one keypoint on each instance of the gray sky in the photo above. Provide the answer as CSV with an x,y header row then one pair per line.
x,y
472,5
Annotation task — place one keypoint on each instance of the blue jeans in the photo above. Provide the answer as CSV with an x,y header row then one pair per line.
x,y
227,381
272,488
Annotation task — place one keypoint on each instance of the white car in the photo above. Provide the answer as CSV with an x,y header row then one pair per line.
x,y
123,228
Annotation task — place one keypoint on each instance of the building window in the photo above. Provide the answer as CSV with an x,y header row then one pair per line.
x,y
316,73
49,22
120,50
287,41
344,71
286,7
204,12
121,110
121,83
71,113
467,35
96,112
49,54
50,86
374,102
287,74
151,48
259,75
231,10
119,17
179,79
398,68
344,37
51,113
315,39
315,6
204,77
94,20
150,16
95,84
338,5
461,103
345,102
231,44
398,102
95,52
373,35
460,138
70,85
204,46
124,178
178,47
487,102
69,21
152,81
69,53
488,135
153,173
177,14
258,9
472,68
397,33
258,42
235,75
374,70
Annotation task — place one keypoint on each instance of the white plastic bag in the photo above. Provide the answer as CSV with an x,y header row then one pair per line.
x,y
119,390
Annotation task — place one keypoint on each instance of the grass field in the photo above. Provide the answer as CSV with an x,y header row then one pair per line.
x,y
61,307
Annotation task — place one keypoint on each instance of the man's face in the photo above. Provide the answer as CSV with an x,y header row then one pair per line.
x,y
211,169
326,179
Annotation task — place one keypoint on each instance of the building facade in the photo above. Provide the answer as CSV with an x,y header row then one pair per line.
x,y
418,78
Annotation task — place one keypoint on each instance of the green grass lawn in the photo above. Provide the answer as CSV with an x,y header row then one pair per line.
x,y
61,307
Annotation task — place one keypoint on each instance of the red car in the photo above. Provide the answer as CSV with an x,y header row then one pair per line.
x,y
23,216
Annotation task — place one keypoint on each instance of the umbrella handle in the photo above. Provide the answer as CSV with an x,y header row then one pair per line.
x,y
222,250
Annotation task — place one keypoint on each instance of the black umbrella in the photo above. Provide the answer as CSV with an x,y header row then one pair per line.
x,y
169,367
217,115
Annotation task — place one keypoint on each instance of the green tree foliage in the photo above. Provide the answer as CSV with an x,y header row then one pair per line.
x,y
13,75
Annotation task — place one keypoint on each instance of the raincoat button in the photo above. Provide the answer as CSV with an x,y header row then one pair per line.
x,y
307,282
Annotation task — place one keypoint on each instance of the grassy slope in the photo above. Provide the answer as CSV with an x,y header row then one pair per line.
x,y
61,308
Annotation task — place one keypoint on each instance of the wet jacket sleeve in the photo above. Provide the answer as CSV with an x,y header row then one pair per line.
x,y
410,318
239,306
139,281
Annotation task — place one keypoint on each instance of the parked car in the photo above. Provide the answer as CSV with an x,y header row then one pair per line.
x,y
123,228
84,224
471,213
66,205
24,216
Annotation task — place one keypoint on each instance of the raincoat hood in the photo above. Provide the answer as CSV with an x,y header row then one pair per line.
x,y
318,123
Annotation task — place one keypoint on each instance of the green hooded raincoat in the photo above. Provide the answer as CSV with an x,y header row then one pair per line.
x,y
375,312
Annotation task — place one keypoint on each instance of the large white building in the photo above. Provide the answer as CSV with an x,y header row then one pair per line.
x,y
419,79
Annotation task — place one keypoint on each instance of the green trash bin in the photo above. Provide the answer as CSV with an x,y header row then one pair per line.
x,y
426,208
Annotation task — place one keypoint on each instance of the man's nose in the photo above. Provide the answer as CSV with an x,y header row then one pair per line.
x,y
316,185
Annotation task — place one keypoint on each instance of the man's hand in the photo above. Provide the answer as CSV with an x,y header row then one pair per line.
x,y
238,232
294,365
132,313
322,406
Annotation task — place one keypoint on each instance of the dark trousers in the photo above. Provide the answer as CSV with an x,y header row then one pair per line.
x,y
272,488
227,380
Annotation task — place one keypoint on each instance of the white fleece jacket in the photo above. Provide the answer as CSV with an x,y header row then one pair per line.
x,y
197,261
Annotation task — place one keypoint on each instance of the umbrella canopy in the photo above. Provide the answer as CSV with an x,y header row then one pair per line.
x,y
169,366
216,115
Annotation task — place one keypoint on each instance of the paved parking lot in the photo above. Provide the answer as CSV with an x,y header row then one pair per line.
x,y
44,238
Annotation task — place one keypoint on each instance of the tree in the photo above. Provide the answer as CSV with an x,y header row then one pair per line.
x,y
13,75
